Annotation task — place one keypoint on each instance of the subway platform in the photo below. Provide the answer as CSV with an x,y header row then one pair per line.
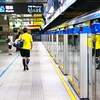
x,y
43,80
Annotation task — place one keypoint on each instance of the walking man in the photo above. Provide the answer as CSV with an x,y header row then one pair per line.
x,y
27,46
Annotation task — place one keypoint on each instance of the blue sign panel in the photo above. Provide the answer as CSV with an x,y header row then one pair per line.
x,y
95,28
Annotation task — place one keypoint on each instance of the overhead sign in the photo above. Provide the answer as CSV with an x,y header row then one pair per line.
x,y
8,8
21,8
34,9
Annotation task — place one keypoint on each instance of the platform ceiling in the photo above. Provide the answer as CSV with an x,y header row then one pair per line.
x,y
78,8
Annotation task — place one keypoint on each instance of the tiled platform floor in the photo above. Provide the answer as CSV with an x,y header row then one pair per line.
x,y
41,82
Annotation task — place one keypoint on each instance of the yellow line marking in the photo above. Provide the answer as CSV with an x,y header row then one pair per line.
x,y
63,81
72,82
70,78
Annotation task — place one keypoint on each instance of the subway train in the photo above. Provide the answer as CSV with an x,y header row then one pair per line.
x,y
75,47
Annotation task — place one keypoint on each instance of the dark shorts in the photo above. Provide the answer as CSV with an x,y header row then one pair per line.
x,y
9,46
97,52
25,53
93,52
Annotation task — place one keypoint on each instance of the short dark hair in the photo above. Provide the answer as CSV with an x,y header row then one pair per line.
x,y
24,30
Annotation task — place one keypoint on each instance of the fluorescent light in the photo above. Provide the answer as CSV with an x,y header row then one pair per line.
x,y
8,0
28,15
13,14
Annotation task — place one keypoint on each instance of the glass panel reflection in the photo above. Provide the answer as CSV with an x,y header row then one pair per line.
x,y
70,55
50,44
76,50
61,48
54,46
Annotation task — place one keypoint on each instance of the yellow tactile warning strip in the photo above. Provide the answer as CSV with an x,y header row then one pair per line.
x,y
63,81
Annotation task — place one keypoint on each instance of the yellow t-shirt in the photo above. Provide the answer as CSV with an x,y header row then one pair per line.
x,y
90,41
97,37
27,40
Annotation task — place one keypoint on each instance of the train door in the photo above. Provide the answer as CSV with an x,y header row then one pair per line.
x,y
63,51
70,56
96,63
47,41
91,67
76,59
55,48
60,50
42,36
44,39
51,44
48,47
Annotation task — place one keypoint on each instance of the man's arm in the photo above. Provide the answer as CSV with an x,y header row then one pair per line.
x,y
31,44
